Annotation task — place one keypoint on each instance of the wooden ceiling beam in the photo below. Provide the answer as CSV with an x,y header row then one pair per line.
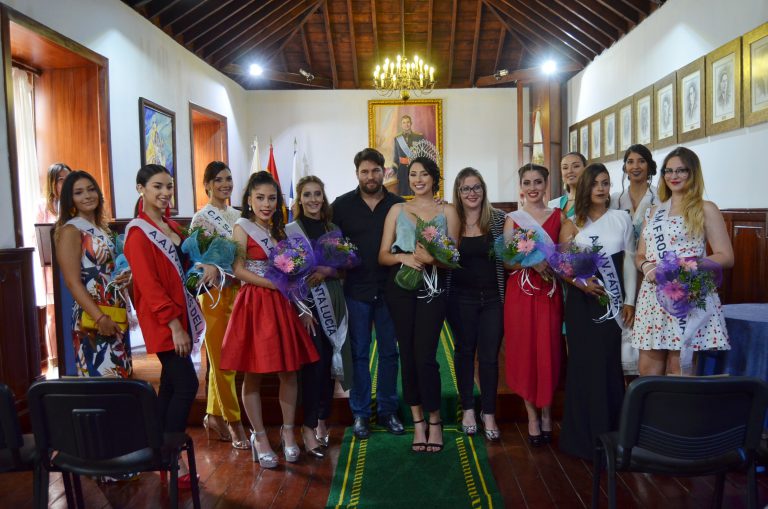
x,y
232,31
156,10
607,15
270,26
204,29
549,26
524,41
476,41
429,32
374,25
500,49
352,43
299,26
305,46
590,18
454,12
329,37
201,9
643,7
578,24
283,77
528,75
623,10
142,3
523,26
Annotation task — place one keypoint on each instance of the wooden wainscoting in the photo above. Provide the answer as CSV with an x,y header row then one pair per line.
x,y
746,281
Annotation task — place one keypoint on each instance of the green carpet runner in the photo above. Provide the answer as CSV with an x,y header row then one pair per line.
x,y
382,471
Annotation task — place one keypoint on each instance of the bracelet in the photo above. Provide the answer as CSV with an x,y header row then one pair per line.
x,y
99,318
643,264
646,273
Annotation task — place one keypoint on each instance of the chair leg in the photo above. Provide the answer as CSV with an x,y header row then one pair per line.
x,y
68,489
78,491
40,482
611,470
751,486
597,466
193,475
173,486
717,499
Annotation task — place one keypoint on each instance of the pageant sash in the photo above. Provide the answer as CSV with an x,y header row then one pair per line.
x,y
526,221
696,318
403,146
610,277
94,231
165,245
213,216
259,235
334,329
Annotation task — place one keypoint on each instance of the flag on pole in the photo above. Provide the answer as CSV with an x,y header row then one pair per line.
x,y
272,168
292,196
305,171
255,166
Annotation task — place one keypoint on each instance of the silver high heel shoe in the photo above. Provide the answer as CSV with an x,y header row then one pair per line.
x,y
265,459
291,452
238,444
317,452
324,440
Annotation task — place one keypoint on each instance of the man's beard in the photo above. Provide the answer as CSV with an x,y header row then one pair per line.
x,y
375,191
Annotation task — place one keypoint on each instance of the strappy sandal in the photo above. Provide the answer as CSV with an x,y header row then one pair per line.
x,y
436,447
418,446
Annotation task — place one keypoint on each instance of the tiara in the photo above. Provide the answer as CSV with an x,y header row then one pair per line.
x,y
425,148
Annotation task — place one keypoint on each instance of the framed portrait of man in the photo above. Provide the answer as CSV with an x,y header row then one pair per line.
x,y
665,113
609,134
595,139
690,109
643,115
394,127
584,139
573,139
724,88
755,57
624,109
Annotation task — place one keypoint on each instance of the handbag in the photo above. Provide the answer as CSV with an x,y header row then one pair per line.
x,y
119,315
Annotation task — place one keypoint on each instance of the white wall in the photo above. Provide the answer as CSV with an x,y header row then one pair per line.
x,y
676,34
143,62
330,127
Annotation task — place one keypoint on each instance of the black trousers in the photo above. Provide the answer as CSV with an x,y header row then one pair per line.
x,y
316,382
178,387
418,322
477,320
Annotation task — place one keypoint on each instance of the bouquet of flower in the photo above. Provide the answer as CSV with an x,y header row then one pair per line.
x,y
578,262
207,248
523,246
290,263
121,262
683,283
332,249
439,245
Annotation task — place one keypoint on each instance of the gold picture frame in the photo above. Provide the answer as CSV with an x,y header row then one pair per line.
x,y
691,117
584,139
610,135
724,88
387,134
626,132
665,111
573,138
754,51
642,117
595,138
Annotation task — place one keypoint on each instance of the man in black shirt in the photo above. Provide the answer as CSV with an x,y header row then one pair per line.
x,y
360,214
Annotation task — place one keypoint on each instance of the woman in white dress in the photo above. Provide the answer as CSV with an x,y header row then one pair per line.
x,y
571,167
684,223
639,168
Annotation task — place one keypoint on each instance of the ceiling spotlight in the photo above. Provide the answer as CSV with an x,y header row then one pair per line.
x,y
500,74
307,75
255,70
549,67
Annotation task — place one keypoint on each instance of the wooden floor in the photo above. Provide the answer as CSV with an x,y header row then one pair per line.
x,y
526,477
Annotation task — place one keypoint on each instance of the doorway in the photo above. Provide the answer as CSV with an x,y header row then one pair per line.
x,y
208,138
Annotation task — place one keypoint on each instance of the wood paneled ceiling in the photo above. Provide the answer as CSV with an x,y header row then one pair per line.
x,y
339,42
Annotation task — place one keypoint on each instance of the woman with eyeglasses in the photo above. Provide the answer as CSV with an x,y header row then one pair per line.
x,y
639,168
571,167
476,301
683,222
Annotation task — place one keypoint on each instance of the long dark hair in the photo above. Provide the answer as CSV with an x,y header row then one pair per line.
x,y
584,192
645,154
298,209
67,203
432,168
213,169
277,227
145,173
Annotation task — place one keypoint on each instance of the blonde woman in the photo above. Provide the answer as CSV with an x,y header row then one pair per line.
x,y
683,222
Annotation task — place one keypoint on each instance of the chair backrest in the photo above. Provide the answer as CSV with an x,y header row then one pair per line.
x,y
692,418
96,418
10,430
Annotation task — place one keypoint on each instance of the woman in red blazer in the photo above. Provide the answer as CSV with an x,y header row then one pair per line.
x,y
169,317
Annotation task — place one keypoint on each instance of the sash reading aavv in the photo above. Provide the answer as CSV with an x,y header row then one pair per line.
x,y
696,318
165,245
610,275
89,228
335,331
259,235
213,215
524,220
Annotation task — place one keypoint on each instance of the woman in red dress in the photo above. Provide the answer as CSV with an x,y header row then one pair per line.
x,y
169,318
533,313
264,334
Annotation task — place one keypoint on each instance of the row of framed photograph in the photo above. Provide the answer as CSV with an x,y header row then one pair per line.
x,y
706,97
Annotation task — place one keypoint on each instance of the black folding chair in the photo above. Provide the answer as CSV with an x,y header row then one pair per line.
x,y
685,426
105,427
17,451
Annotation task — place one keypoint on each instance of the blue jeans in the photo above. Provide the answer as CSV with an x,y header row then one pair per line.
x,y
363,315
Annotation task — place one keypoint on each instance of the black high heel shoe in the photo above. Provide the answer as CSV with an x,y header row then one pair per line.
x,y
536,440
546,435
435,447
418,446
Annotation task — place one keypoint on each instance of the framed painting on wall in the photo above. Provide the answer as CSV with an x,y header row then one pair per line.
x,y
690,109
595,139
755,57
643,116
724,88
584,139
626,131
573,139
157,126
395,127
609,134
665,120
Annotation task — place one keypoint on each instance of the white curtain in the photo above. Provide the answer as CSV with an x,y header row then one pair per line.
x,y
29,178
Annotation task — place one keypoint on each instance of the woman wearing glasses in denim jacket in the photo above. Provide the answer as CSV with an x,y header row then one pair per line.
x,y
476,300
684,223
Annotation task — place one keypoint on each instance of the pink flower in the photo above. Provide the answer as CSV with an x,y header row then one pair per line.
x,y
674,290
284,263
430,233
689,265
526,246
